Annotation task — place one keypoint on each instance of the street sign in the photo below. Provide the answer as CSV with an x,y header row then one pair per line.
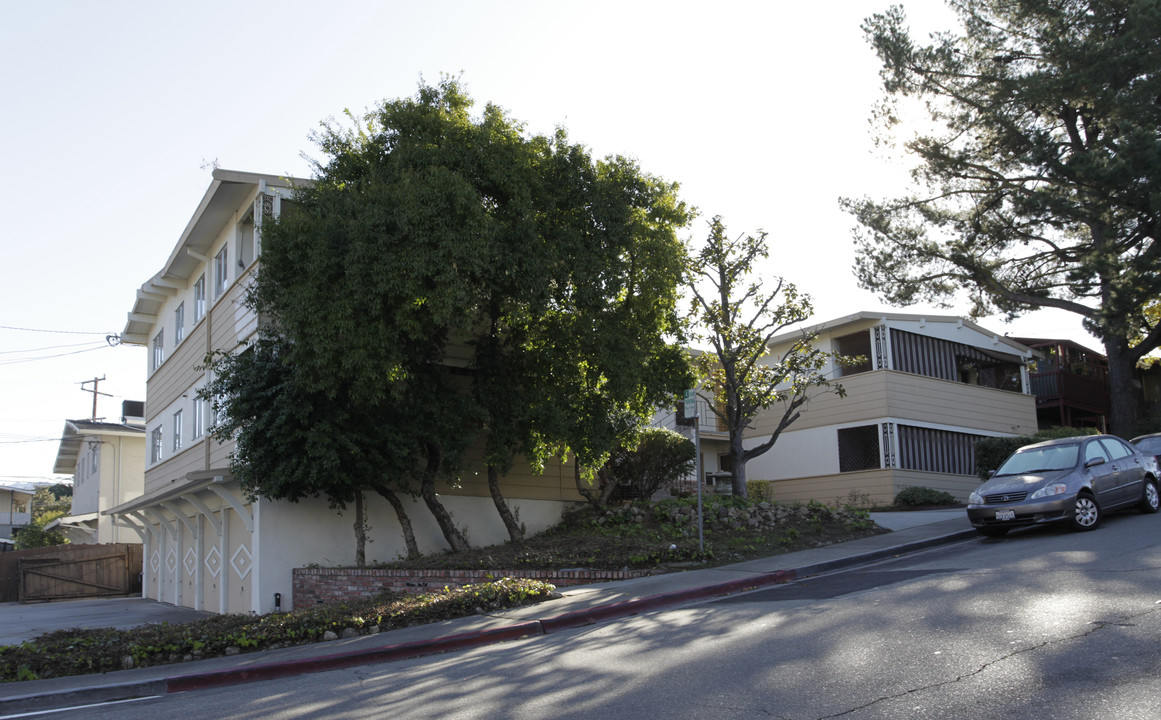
x,y
690,403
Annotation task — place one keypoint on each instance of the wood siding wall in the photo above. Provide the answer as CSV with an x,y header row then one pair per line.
x,y
887,393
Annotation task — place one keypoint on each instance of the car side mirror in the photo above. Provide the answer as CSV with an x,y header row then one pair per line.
x,y
1094,461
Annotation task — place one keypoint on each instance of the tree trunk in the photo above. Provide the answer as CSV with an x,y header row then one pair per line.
x,y
1124,391
738,458
455,538
404,521
515,531
360,531
583,488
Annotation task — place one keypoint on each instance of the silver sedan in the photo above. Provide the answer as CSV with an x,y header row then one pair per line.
x,y
1072,480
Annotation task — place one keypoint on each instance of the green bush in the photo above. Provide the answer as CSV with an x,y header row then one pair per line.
x,y
661,457
918,496
758,491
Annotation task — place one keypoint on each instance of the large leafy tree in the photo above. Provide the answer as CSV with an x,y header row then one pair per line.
x,y
738,317
447,279
49,502
1039,184
294,443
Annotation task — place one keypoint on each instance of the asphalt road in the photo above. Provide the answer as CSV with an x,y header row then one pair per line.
x,y
1042,623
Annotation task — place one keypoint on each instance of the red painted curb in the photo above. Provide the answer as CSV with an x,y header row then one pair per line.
x,y
402,651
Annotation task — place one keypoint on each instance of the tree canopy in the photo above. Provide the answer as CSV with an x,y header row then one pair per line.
x,y
448,281
738,318
1039,184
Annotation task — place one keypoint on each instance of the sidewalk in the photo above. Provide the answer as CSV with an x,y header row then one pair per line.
x,y
581,605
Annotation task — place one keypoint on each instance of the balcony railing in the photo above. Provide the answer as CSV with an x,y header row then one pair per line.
x,y
1060,386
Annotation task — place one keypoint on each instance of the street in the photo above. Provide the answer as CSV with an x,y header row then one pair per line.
x,y
1042,623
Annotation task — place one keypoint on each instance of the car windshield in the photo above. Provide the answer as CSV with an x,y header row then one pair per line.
x,y
1149,445
1055,457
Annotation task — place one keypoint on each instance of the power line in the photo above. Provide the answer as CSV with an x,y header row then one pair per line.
x,y
102,346
48,347
58,332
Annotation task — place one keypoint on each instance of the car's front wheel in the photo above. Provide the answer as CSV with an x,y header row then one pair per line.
x,y
1086,513
1150,500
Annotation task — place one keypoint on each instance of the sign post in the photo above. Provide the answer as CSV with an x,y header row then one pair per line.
x,y
691,412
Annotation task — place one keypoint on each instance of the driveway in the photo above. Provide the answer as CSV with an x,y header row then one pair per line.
x,y
24,622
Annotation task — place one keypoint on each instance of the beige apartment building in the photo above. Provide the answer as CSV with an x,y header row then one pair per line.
x,y
927,388
107,463
206,544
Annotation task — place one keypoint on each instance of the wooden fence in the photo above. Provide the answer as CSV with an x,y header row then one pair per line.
x,y
65,572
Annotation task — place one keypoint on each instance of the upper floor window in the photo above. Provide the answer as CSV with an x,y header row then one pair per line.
x,y
179,323
177,431
155,449
221,272
199,298
856,347
198,422
246,242
158,349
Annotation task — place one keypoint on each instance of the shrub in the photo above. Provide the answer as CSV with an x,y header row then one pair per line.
x,y
917,496
85,651
758,490
660,458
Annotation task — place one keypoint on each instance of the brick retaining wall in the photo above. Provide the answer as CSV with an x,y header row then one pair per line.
x,y
313,586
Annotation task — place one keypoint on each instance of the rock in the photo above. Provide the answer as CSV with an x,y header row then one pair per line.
x,y
350,632
330,635
127,662
233,650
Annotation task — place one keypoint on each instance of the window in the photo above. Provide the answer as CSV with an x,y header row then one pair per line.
x,y
198,419
177,431
855,345
859,448
179,323
155,445
221,272
200,298
158,349
1095,451
953,361
941,451
1116,448
246,242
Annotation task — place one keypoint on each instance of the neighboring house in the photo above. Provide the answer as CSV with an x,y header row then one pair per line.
x,y
926,390
207,545
15,510
107,462
1070,382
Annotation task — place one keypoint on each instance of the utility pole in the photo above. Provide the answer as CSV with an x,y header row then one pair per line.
x,y
96,384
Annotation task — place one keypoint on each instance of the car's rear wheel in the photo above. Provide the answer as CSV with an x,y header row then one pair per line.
x,y
1086,513
993,531
1150,500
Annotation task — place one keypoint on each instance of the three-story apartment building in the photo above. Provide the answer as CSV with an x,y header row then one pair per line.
x,y
207,545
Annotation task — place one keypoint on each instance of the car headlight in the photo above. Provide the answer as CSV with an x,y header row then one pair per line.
x,y
975,499
1050,490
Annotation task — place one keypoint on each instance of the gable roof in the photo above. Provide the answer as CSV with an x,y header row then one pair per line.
x,y
1014,346
224,196
76,432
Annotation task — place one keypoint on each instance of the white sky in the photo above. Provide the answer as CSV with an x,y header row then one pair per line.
x,y
114,110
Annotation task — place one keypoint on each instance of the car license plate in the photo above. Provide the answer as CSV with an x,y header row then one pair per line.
x,y
1005,515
